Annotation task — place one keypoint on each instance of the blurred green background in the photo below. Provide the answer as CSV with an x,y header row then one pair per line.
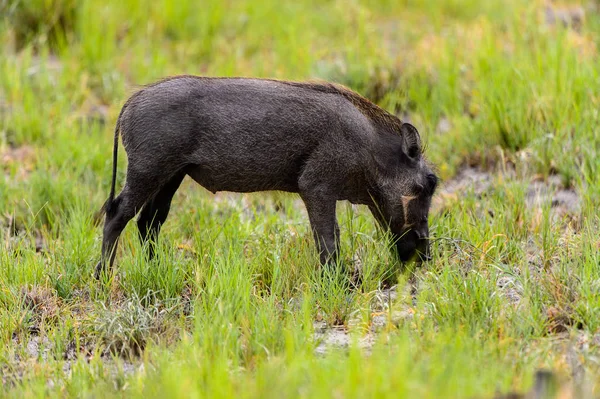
x,y
505,94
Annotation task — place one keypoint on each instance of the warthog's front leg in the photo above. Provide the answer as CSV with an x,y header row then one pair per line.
x,y
321,213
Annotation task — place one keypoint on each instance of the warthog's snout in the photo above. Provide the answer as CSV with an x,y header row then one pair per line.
x,y
414,242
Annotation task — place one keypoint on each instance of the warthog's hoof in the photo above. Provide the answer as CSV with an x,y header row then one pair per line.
x,y
98,271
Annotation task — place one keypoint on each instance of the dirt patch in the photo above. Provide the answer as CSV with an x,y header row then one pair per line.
x,y
383,315
466,180
339,338
41,349
252,205
546,385
568,17
510,288
564,202
50,63
21,159
93,113
43,304
560,320
543,198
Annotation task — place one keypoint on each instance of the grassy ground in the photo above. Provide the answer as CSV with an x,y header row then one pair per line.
x,y
505,93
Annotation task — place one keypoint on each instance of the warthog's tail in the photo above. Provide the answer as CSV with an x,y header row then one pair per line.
x,y
111,197
108,206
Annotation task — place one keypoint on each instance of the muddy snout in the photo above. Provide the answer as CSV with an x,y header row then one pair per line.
x,y
414,242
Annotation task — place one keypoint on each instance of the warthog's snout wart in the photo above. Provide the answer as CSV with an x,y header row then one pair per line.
x,y
320,140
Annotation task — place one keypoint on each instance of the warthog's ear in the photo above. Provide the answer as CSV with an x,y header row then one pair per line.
x,y
411,141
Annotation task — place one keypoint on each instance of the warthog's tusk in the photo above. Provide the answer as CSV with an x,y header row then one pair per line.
x,y
405,201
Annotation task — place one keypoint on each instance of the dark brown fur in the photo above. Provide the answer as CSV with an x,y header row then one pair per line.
x,y
318,139
368,108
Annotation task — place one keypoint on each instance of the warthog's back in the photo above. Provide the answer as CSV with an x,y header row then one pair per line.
x,y
243,134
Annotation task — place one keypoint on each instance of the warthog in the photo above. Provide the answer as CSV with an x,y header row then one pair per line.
x,y
320,140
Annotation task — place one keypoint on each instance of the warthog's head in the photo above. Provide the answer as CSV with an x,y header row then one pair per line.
x,y
404,187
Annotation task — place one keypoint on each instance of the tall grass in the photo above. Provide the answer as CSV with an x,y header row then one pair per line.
x,y
235,303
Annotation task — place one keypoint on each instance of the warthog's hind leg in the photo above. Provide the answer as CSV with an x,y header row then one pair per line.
x,y
138,189
155,212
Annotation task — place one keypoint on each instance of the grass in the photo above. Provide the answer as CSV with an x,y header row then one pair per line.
x,y
234,304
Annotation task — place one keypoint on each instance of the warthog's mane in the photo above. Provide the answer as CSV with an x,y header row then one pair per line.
x,y
366,107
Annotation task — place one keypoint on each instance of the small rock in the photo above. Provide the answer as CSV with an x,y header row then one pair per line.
x,y
320,327
39,243
567,199
468,178
443,126
572,17
559,320
378,322
400,316
98,114
33,347
339,338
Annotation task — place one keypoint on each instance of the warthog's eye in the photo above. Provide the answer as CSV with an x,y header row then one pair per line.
x,y
429,187
419,188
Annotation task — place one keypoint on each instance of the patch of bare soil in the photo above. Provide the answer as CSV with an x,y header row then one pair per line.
x,y
565,202
252,205
123,328
47,64
560,320
510,288
43,304
467,179
21,158
338,338
563,205
93,112
41,349
383,315
546,385
567,16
